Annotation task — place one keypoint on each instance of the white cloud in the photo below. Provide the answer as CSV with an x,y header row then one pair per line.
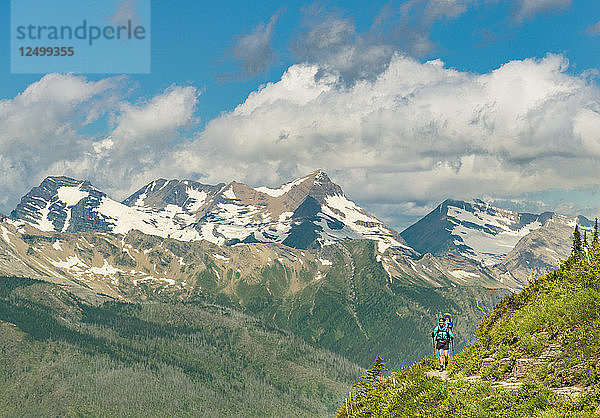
x,y
37,127
331,39
526,9
160,116
405,140
417,133
41,132
143,136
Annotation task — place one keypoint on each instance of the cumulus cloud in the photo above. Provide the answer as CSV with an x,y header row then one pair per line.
x,y
399,143
331,39
253,51
418,133
143,135
41,132
37,126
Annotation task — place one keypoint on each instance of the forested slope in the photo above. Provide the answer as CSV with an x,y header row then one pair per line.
x,y
60,356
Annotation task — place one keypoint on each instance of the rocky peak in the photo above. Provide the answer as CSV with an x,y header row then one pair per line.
x,y
61,203
322,186
188,194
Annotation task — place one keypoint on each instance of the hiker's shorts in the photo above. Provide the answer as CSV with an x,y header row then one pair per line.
x,y
442,345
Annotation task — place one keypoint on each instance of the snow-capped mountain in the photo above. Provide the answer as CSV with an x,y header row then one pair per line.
x,y
482,232
308,212
63,204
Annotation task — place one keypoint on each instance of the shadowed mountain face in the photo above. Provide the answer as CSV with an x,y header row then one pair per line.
x,y
186,194
306,213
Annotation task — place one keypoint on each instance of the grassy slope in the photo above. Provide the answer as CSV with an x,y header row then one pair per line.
x,y
561,308
62,357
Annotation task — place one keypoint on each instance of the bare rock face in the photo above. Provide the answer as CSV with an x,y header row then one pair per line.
x,y
504,362
487,362
524,366
545,248
501,364
63,204
183,193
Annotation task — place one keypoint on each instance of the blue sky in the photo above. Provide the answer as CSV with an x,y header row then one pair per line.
x,y
208,57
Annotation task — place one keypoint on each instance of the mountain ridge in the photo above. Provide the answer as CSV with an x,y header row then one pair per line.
x,y
537,353
307,212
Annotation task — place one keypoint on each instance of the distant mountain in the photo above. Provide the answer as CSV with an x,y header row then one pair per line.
x,y
64,204
541,250
513,245
305,213
476,230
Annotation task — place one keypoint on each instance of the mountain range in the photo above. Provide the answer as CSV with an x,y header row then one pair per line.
x,y
301,257
308,212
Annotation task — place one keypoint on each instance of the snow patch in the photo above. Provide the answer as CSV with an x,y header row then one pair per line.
x,y
71,263
44,223
461,274
497,236
71,195
281,190
5,233
196,197
105,270
325,262
140,200
229,193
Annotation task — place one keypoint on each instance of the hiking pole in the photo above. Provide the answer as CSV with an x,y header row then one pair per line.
x,y
433,345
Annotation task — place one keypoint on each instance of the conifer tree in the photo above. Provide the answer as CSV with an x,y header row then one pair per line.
x,y
372,378
585,240
577,244
595,236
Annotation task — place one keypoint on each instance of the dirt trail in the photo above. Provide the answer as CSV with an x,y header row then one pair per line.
x,y
443,375
511,384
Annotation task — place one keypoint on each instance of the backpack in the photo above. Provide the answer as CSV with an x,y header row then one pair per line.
x,y
448,319
442,334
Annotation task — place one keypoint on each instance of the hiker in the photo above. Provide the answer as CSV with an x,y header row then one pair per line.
x,y
442,335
